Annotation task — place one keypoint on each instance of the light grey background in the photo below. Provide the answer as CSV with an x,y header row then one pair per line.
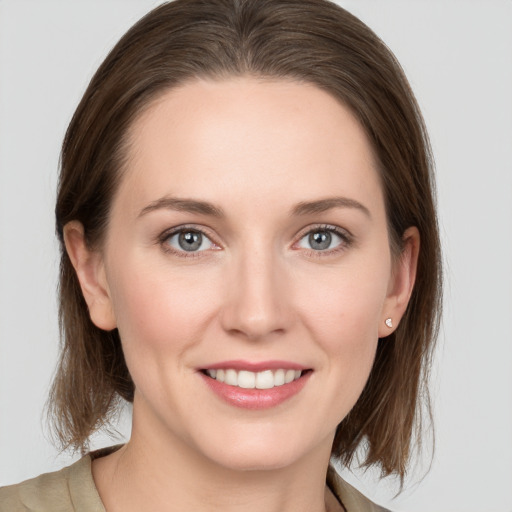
x,y
458,56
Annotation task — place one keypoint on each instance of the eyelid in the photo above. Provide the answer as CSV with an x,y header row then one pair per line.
x,y
343,232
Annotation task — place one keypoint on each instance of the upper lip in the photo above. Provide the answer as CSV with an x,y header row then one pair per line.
x,y
250,366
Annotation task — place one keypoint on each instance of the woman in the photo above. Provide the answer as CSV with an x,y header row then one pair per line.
x,y
249,255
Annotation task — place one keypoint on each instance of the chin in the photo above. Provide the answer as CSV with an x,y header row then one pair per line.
x,y
261,461
260,453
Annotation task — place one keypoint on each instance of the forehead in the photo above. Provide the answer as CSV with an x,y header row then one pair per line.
x,y
251,138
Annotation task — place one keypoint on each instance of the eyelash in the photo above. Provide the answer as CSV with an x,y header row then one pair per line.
x,y
347,240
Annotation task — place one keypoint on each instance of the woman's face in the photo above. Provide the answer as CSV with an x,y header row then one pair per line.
x,y
247,242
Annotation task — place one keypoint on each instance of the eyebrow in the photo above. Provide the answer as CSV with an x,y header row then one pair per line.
x,y
206,208
323,205
183,205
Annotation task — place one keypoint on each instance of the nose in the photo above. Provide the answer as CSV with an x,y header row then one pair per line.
x,y
258,297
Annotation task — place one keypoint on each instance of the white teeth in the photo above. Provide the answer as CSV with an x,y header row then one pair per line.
x,y
289,376
266,379
246,380
231,378
279,378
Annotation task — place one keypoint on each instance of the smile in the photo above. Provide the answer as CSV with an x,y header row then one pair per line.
x,y
245,379
255,386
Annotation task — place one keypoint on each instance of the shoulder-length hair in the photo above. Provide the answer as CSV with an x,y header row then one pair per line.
x,y
311,41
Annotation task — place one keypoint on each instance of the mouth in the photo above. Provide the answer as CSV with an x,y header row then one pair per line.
x,y
246,379
255,385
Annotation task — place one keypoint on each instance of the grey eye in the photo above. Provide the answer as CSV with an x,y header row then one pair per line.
x,y
189,240
320,240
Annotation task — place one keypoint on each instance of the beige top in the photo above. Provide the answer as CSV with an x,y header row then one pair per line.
x,y
72,489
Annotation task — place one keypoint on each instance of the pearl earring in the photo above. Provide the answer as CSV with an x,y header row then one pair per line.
x,y
389,322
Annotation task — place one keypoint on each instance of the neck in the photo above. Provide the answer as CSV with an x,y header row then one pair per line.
x,y
157,471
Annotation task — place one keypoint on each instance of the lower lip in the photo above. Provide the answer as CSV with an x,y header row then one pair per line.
x,y
256,399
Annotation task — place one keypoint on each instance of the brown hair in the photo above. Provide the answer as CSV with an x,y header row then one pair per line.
x,y
312,41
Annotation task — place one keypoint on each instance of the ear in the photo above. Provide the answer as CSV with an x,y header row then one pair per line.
x,y
90,271
401,283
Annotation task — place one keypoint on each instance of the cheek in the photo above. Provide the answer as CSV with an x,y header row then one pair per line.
x,y
160,308
161,316
346,302
343,312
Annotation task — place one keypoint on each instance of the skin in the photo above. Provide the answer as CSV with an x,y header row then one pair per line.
x,y
257,291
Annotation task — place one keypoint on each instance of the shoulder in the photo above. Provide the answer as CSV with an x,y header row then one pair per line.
x,y
352,499
71,489
46,492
